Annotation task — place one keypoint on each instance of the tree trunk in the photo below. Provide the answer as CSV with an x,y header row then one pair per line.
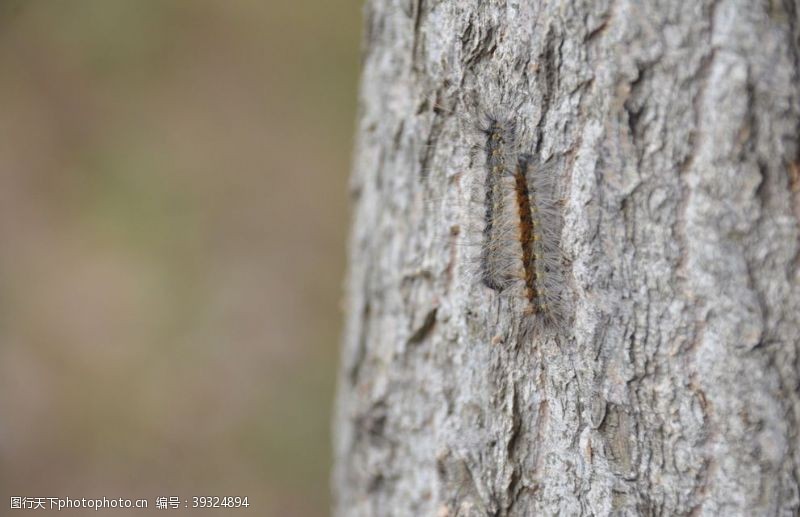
x,y
672,384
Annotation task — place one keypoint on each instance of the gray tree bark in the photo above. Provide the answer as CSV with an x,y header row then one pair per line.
x,y
674,388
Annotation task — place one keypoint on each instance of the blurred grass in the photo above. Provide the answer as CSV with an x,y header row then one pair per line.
x,y
172,219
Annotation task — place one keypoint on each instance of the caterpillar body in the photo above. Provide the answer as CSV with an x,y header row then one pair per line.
x,y
499,141
510,227
520,251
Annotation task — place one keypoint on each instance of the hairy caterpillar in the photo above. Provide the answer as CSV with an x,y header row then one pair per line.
x,y
540,222
520,249
512,221
499,151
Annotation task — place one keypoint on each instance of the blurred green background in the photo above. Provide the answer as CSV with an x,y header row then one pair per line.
x,y
172,226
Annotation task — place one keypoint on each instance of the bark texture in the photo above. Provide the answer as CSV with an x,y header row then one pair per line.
x,y
675,387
